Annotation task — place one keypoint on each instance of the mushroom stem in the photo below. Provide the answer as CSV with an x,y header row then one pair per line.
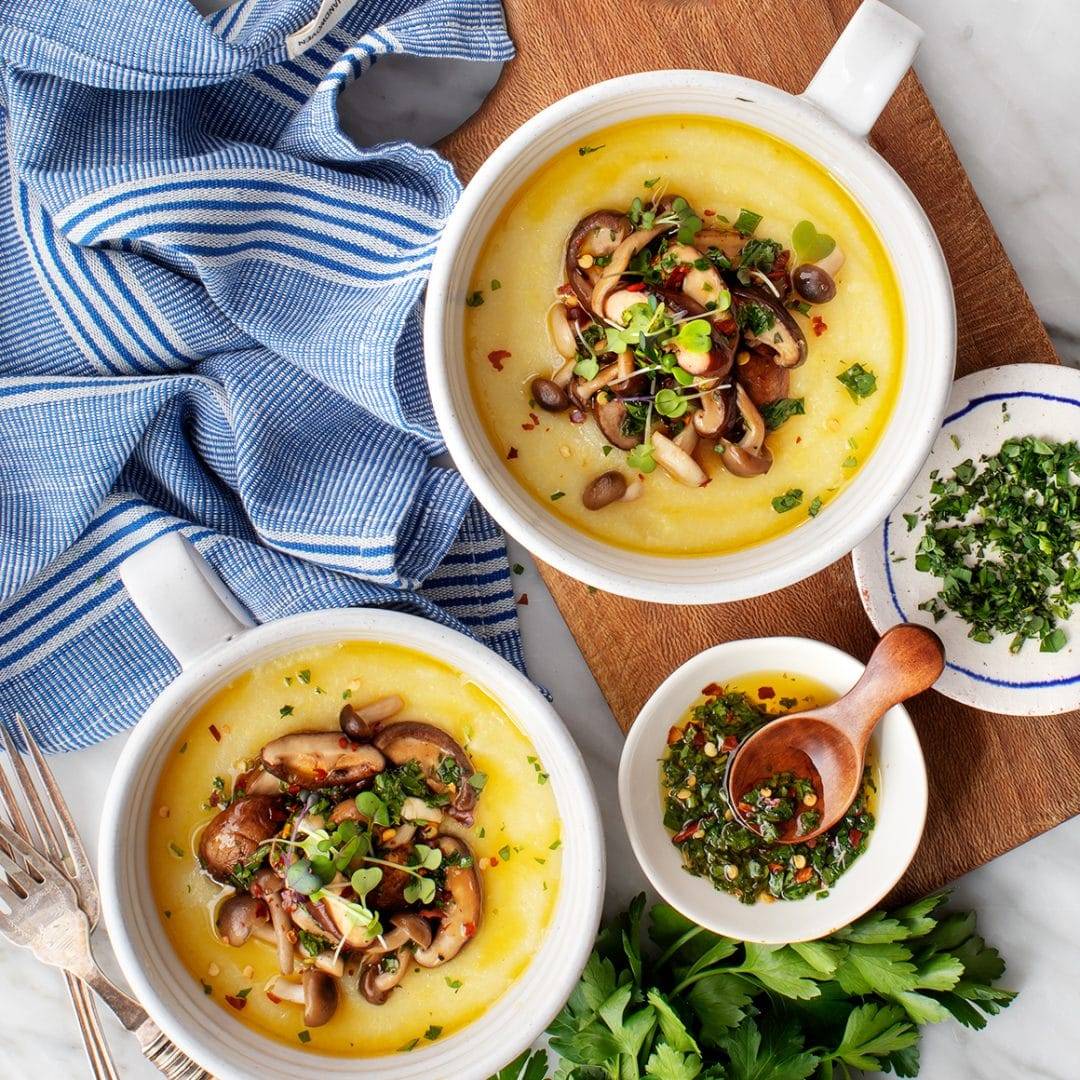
x,y
279,917
676,462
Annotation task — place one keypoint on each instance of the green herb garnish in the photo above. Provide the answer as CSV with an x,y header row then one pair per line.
x,y
788,501
747,222
1002,536
859,381
775,413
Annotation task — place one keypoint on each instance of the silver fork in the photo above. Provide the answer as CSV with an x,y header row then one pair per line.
x,y
94,1042
55,878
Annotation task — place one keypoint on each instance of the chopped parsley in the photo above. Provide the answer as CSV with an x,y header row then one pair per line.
x,y
747,222
859,381
775,413
1003,538
788,501
474,299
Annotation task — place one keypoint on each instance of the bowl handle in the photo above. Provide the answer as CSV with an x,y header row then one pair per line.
x,y
864,67
186,604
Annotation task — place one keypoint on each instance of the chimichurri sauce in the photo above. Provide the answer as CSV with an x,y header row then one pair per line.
x,y
713,844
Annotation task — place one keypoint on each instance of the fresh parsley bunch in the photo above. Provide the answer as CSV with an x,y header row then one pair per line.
x,y
704,1007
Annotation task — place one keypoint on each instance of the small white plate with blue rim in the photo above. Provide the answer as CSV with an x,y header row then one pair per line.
x,y
985,409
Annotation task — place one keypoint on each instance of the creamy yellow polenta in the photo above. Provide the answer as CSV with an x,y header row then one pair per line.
x,y
718,165
516,816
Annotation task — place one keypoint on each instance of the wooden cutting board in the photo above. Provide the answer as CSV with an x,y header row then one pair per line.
x,y
995,781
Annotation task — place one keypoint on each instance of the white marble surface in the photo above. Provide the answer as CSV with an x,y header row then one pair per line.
x,y
1004,77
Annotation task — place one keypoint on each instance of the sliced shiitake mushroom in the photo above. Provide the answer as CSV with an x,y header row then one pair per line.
x,y
783,336
596,235
463,909
389,894
257,781
236,833
765,381
431,748
610,414
316,759
729,242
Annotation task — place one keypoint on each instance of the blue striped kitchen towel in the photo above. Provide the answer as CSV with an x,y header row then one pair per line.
x,y
209,323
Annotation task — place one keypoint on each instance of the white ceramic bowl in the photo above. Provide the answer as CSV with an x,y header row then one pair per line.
x,y
830,123
182,603
900,808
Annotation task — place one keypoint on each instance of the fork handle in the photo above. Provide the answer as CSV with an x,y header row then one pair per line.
x,y
165,1056
156,1046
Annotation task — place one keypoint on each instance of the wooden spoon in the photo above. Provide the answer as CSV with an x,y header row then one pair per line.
x,y
828,746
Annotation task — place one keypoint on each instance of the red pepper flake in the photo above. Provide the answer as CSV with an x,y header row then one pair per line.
x,y
699,740
319,774
674,735
635,286
470,929
729,743
343,743
214,731
819,325
675,278
744,808
712,690
564,289
496,358
576,416
766,692
708,213
294,789
511,453
727,326
811,844
273,997
237,1002
804,875
775,867
523,599
855,836
798,439
533,422
685,833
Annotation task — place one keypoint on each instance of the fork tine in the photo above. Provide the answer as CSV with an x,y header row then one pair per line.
x,y
35,862
7,792
43,825
11,898
86,886
14,873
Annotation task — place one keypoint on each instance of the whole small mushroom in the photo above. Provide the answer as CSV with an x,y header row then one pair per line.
x,y
603,490
316,991
236,918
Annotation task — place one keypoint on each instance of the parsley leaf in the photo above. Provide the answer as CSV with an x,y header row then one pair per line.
x,y
775,413
859,381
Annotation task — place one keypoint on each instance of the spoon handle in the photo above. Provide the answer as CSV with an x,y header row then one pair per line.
x,y
906,661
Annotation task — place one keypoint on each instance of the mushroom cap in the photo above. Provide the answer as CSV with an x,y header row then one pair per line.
x,y
764,379
354,725
320,997
316,759
463,911
429,746
236,833
236,917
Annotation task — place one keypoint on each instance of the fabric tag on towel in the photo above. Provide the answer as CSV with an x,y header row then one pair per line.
x,y
330,13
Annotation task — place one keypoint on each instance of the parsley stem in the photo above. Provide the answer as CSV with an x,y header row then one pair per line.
x,y
671,950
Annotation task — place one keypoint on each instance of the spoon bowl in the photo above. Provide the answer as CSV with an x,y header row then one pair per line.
x,y
827,747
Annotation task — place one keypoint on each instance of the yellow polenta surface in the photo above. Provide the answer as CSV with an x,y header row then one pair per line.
x,y
516,812
718,165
